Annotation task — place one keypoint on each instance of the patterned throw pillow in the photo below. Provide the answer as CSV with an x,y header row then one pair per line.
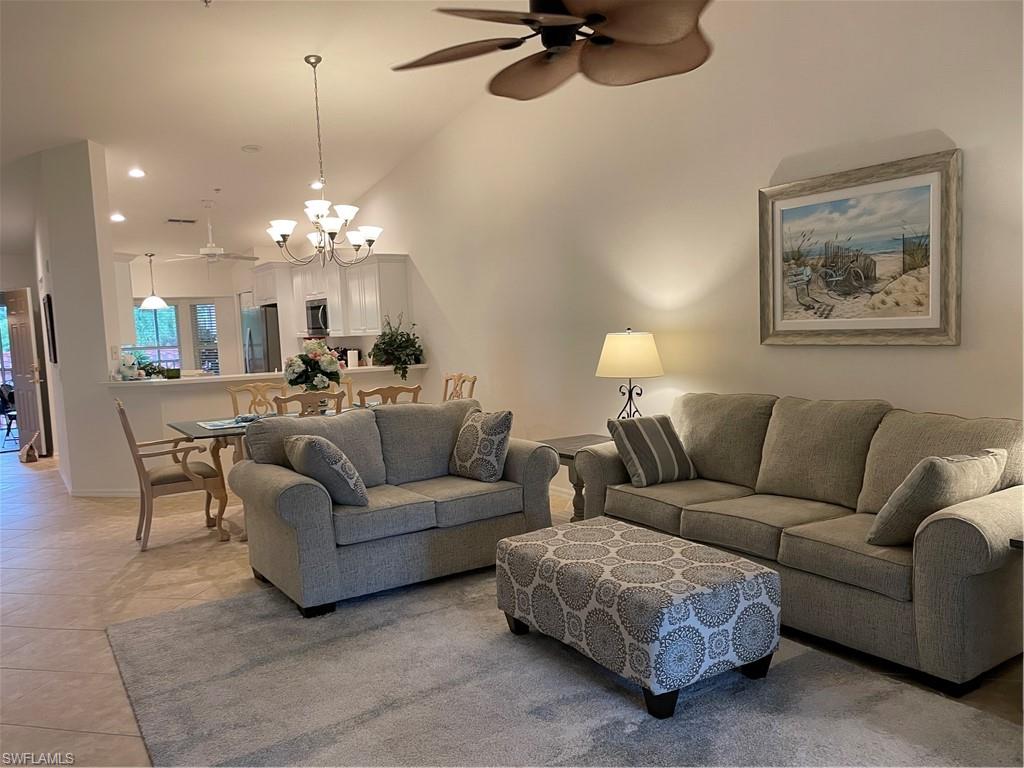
x,y
935,483
482,446
651,450
322,460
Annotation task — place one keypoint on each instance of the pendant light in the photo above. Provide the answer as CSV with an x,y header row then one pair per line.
x,y
152,301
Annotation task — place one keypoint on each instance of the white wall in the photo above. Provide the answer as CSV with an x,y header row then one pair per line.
x,y
535,228
71,233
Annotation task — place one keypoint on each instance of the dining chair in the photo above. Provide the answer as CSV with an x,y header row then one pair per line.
x,y
389,395
455,385
310,403
183,476
8,411
260,398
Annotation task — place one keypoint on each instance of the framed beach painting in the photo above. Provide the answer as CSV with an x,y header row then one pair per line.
x,y
868,256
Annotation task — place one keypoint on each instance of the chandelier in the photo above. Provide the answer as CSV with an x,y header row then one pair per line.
x,y
332,238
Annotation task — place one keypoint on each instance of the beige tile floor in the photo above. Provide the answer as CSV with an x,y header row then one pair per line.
x,y
70,566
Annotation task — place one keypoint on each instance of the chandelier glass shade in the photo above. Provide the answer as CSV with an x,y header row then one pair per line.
x,y
333,238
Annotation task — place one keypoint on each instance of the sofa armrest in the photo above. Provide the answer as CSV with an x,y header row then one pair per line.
x,y
289,521
972,537
599,466
967,595
532,465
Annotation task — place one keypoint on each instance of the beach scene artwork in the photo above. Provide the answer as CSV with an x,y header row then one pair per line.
x,y
859,256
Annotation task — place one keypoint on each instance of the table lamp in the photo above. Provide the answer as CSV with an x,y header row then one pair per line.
x,y
630,355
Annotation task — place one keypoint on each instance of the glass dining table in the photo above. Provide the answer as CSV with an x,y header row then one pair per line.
x,y
223,433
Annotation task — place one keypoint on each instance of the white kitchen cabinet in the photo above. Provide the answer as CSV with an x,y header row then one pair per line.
x,y
310,281
376,289
264,285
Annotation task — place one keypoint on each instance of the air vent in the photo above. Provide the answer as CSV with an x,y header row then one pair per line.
x,y
181,221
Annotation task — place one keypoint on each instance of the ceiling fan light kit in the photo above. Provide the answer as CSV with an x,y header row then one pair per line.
x,y
356,245
610,42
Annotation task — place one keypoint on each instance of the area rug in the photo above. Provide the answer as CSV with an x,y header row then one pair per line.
x,y
430,675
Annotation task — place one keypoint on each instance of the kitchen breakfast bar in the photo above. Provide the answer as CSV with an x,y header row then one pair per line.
x,y
153,404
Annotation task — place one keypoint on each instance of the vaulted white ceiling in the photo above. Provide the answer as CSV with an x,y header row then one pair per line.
x,y
177,89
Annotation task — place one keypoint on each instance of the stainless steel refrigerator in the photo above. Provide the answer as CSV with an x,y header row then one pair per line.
x,y
261,341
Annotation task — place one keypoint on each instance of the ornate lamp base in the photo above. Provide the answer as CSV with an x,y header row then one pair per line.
x,y
630,392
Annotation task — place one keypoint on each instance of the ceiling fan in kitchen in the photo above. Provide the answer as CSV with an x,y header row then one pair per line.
x,y
212,253
611,42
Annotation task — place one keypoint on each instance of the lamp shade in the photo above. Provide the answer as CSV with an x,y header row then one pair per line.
x,y
629,355
153,302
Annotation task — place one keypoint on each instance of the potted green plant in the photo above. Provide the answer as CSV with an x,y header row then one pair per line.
x,y
397,347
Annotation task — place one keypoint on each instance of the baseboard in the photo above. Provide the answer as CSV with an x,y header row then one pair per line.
x,y
106,492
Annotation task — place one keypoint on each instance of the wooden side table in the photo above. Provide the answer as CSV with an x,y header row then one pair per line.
x,y
567,448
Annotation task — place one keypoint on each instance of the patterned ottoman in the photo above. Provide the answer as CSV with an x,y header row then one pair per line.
x,y
659,610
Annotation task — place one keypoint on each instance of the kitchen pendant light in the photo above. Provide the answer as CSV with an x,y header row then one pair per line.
x,y
331,238
152,301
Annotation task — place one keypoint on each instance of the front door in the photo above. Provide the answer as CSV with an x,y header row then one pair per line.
x,y
29,388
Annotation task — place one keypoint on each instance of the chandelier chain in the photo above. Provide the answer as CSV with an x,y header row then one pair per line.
x,y
319,140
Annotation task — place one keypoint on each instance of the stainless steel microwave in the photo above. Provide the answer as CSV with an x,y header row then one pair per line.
x,y
316,318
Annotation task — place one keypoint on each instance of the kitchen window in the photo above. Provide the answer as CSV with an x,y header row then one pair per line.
x,y
204,337
156,336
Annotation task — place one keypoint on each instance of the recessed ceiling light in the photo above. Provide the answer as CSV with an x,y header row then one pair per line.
x,y
251,148
118,217
136,173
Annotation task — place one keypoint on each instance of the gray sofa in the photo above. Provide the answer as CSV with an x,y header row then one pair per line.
x,y
421,522
796,484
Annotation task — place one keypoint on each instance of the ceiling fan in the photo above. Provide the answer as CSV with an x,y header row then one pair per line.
x,y
212,253
611,42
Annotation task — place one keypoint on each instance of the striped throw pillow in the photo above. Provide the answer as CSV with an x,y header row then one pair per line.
x,y
651,450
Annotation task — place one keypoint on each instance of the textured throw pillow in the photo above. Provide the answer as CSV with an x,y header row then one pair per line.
x,y
322,460
482,446
934,484
651,450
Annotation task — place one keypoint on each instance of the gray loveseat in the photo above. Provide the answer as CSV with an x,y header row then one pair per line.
x,y
421,522
796,484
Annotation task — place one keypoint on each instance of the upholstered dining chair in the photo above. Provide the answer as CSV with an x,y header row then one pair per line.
x,y
183,476
389,395
458,386
310,403
260,398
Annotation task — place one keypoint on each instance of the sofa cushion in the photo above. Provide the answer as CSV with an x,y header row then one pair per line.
x,y
815,449
482,446
753,524
723,434
322,460
934,484
836,549
651,450
354,432
904,438
659,506
459,500
417,438
391,511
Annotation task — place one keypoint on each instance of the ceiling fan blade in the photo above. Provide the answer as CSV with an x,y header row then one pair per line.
x,y
649,22
531,20
185,257
239,257
463,51
626,63
537,74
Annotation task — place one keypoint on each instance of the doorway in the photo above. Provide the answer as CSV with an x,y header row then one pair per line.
x,y
24,403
